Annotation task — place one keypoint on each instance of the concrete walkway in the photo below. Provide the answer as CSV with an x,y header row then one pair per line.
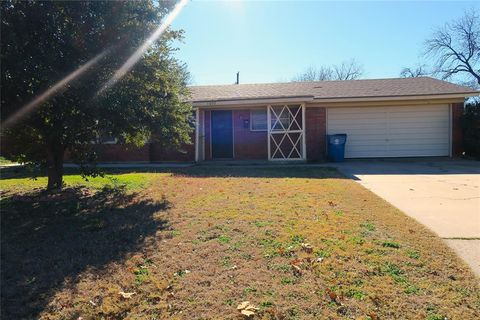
x,y
443,195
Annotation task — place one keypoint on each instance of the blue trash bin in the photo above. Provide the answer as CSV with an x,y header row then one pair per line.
x,y
336,147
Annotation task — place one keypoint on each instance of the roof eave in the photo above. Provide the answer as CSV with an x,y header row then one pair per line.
x,y
305,99
251,101
400,98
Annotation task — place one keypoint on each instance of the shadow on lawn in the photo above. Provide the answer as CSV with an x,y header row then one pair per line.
x,y
260,172
291,171
278,171
46,239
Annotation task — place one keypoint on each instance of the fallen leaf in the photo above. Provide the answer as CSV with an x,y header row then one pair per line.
x,y
373,315
243,305
307,247
333,296
251,308
126,295
247,309
247,313
296,270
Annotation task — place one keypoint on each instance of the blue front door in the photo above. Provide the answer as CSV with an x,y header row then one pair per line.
x,y
222,135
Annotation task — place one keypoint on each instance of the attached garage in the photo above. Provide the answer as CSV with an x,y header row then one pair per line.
x,y
393,131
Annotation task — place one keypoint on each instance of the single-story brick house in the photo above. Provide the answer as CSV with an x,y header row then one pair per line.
x,y
407,117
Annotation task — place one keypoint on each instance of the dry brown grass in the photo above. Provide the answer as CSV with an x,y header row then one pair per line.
x,y
196,242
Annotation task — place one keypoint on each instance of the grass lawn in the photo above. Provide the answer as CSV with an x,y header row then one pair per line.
x,y
194,243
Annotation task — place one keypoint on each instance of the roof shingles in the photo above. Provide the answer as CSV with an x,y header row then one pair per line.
x,y
396,87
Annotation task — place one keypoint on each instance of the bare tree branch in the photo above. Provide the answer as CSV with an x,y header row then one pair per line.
x,y
315,74
456,47
347,70
418,71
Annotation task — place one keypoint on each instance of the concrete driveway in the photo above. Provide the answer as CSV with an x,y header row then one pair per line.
x,y
443,195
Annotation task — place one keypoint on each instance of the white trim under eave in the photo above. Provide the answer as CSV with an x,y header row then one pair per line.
x,y
399,98
250,102
242,103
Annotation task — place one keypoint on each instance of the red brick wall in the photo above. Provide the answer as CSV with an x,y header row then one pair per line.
x,y
252,145
315,131
457,111
151,152
120,153
185,153
248,145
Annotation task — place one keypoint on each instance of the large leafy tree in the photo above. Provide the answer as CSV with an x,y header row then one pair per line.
x,y
43,42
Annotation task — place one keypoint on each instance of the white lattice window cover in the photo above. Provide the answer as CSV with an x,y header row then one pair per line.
x,y
286,132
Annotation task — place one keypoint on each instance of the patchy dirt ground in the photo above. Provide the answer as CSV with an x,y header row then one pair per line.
x,y
297,243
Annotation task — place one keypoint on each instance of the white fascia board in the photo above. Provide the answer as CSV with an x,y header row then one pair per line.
x,y
399,98
213,104
250,102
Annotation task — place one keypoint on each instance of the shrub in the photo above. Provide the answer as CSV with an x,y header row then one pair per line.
x,y
471,129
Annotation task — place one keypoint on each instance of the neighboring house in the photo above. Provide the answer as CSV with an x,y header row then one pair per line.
x,y
407,117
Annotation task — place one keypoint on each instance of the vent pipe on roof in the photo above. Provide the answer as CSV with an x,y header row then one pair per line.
x,y
238,78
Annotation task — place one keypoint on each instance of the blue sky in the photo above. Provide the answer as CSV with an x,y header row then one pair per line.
x,y
273,41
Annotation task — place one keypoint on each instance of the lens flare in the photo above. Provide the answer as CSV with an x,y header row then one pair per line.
x,y
127,66
137,55
52,90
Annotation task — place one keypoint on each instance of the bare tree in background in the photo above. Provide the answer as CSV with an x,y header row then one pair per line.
x,y
456,48
418,71
315,74
347,70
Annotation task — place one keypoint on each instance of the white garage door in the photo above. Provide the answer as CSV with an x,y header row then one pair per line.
x,y
407,131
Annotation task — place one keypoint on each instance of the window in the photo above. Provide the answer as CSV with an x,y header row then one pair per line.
x,y
105,138
258,120
108,140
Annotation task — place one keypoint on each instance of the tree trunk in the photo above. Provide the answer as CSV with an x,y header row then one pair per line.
x,y
55,167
